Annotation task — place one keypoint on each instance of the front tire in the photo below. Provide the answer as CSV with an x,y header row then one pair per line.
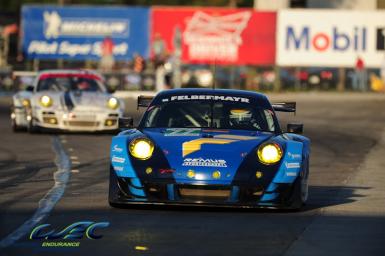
x,y
113,190
32,128
15,127
301,189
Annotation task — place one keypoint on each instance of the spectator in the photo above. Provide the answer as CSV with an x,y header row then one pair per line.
x,y
159,50
383,70
359,78
107,61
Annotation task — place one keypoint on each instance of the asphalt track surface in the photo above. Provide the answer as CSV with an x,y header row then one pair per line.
x,y
62,179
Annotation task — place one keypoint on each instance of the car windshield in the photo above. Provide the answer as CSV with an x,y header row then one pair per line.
x,y
70,82
205,114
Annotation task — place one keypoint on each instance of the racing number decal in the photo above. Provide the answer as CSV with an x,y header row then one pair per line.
x,y
192,146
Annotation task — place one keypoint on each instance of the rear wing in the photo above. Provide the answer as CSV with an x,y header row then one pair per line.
x,y
285,106
144,101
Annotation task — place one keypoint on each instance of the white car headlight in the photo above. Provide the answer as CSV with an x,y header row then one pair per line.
x,y
113,103
46,101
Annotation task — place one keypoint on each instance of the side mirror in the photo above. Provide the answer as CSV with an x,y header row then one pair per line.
x,y
295,128
126,123
29,88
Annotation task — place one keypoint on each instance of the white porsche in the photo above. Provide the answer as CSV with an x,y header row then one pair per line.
x,y
71,100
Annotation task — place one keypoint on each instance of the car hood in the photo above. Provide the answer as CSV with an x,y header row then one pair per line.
x,y
205,151
72,100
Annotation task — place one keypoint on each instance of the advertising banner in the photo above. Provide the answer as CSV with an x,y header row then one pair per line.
x,y
330,38
220,35
51,32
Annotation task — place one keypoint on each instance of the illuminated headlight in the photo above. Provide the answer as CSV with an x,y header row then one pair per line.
x,y
113,103
141,148
46,101
269,153
26,103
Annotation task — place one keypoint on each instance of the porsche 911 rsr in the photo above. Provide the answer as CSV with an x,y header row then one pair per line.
x,y
71,100
210,147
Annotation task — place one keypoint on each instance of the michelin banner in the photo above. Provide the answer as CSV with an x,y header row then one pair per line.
x,y
330,38
51,32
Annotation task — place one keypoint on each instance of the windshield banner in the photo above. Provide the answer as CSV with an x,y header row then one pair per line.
x,y
220,35
85,32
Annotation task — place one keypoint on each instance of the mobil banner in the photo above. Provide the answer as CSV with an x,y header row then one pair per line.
x,y
77,32
330,37
220,35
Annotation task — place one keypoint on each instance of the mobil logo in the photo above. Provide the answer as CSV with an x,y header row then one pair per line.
x,y
334,39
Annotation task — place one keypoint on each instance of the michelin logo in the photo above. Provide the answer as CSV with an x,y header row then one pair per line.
x,y
56,26
204,162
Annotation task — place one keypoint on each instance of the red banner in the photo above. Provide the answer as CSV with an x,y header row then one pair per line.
x,y
208,35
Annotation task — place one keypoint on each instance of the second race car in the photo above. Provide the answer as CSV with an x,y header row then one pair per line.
x,y
71,100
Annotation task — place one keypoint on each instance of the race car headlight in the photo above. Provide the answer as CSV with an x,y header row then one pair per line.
x,y
141,148
113,103
46,101
269,153
26,103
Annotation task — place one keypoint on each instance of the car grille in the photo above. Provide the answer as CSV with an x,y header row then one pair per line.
x,y
81,123
208,193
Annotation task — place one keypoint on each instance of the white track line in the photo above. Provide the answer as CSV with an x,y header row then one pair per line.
x,y
48,202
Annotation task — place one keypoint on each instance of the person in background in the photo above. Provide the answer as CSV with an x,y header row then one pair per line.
x,y
159,50
107,61
359,78
382,71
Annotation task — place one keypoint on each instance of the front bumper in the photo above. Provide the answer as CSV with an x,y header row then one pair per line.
x,y
77,120
129,191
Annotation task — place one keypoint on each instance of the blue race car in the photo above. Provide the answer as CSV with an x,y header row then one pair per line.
x,y
210,147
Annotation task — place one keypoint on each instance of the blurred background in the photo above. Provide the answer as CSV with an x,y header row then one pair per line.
x,y
143,45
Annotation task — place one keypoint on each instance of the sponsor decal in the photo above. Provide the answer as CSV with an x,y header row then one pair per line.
x,y
208,162
116,148
292,165
166,171
294,156
291,174
215,37
118,168
206,97
116,159
192,146
182,132
75,231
